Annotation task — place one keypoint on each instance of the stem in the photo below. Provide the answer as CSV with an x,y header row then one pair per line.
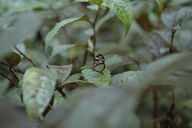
x,y
94,38
155,107
6,77
173,96
27,57
85,56
61,92
59,89
172,39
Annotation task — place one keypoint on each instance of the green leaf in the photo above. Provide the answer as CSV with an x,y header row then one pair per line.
x,y
99,79
59,25
38,88
122,9
12,59
99,2
156,71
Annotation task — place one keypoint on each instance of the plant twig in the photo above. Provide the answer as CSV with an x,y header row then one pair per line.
x,y
6,77
59,89
94,38
85,56
172,39
155,106
27,57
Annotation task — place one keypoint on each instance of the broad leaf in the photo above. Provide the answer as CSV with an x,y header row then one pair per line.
x,y
97,78
60,72
156,44
38,88
123,10
155,72
96,108
173,19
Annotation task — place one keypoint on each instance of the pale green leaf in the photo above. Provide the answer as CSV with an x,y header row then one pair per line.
x,y
38,88
99,79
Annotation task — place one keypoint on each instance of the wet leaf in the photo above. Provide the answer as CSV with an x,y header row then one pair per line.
x,y
97,78
38,87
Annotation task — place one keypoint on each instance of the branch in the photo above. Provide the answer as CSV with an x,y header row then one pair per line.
x,y
6,77
27,57
172,38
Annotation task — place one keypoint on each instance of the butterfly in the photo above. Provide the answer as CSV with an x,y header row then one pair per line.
x,y
99,63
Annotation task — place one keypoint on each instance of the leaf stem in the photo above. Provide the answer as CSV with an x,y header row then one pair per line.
x,y
6,77
155,106
27,57
94,37
59,89
172,39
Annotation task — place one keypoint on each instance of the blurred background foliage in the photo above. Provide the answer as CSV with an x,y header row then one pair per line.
x,y
46,55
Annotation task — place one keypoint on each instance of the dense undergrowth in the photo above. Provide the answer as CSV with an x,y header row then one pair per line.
x,y
95,64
